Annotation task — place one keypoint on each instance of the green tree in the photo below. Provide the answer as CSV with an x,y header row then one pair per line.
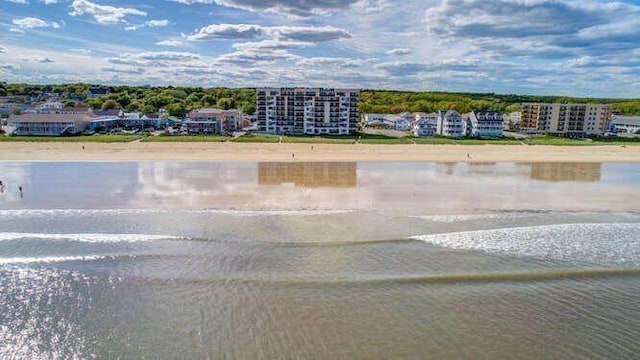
x,y
110,104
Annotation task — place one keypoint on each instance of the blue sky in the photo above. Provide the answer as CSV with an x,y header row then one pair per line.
x,y
577,48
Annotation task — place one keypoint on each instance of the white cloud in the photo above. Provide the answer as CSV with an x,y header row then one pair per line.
x,y
157,23
33,22
45,60
3,50
309,34
169,43
329,61
103,14
271,45
227,31
302,8
16,30
399,52
162,55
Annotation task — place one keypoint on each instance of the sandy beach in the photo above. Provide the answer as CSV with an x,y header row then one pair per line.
x,y
147,151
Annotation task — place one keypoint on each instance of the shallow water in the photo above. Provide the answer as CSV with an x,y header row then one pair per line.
x,y
319,260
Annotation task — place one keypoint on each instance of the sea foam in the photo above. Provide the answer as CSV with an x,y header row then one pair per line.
x,y
86,237
601,243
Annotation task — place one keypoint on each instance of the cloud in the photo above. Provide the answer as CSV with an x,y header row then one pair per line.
x,y
227,31
400,68
45,60
119,70
81,51
163,55
302,8
309,33
157,23
16,30
329,61
3,50
399,52
249,57
33,22
271,45
169,43
103,14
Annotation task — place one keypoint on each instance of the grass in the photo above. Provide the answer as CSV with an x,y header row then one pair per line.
x,y
361,138
78,139
187,138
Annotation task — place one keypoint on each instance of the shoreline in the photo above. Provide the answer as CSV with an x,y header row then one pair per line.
x,y
286,152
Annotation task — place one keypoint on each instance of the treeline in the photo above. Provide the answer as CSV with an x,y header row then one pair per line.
x,y
179,100
378,101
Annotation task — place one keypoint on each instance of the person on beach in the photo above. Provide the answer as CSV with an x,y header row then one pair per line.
x,y
1,187
20,189
293,156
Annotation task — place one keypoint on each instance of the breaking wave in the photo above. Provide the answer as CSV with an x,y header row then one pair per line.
x,y
87,237
601,243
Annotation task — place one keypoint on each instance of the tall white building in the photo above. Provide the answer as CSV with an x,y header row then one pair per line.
x,y
312,111
565,119
486,123
450,123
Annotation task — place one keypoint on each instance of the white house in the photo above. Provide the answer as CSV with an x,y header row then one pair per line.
x,y
425,124
450,123
486,123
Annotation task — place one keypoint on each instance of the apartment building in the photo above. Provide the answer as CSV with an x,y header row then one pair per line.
x,y
312,111
450,123
485,123
565,119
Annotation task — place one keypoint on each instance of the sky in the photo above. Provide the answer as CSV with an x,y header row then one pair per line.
x,y
559,47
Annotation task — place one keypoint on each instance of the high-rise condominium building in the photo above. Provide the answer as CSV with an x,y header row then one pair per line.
x,y
565,119
312,111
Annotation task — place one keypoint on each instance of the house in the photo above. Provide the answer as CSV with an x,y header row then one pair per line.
x,y
626,124
48,124
485,123
425,124
450,123
403,121
212,121
95,92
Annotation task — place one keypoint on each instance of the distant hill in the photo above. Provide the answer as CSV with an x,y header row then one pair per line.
x,y
178,100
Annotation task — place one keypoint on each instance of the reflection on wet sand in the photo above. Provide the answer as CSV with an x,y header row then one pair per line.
x,y
308,174
555,172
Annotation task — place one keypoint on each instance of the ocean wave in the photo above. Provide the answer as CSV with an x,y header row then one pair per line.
x,y
87,237
470,217
590,242
51,259
39,213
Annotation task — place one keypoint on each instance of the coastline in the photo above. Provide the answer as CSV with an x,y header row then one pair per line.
x,y
240,152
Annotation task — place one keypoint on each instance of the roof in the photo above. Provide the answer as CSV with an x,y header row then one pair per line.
x,y
630,120
95,90
48,118
109,112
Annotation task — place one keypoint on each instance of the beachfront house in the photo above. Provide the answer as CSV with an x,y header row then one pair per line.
x,y
48,124
450,123
486,123
425,124
626,125
212,121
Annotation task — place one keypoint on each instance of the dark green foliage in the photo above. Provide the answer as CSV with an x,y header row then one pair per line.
x,y
151,98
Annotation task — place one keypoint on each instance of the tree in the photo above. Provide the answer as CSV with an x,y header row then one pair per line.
x,y
110,104
95,103
69,103
175,109
225,103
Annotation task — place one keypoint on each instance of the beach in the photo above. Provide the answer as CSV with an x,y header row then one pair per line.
x,y
229,151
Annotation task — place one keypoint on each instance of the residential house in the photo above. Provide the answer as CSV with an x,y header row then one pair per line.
x,y
425,124
48,124
450,123
95,92
486,123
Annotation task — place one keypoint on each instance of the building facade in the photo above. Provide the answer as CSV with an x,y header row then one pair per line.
x,y
450,123
425,124
212,121
565,119
486,123
48,124
311,111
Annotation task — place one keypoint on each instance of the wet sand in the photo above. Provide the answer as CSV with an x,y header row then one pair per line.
x,y
144,151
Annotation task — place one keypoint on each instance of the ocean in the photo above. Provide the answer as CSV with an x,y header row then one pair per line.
x,y
319,260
